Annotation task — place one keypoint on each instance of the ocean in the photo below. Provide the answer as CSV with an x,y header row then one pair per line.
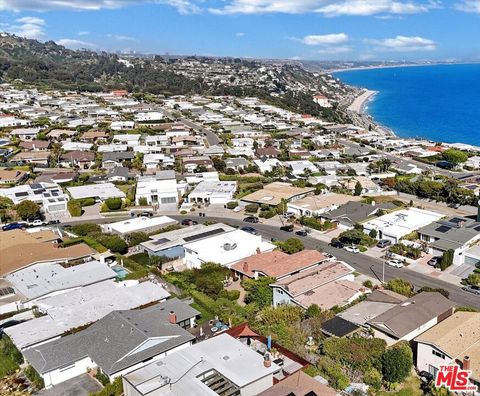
x,y
439,103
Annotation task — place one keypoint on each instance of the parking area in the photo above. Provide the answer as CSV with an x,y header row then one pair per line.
x,y
82,385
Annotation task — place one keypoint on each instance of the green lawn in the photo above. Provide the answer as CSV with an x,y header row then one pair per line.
x,y
410,387
7,366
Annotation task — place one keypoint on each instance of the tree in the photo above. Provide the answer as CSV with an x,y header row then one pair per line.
x,y
447,259
373,233
5,203
358,189
259,291
27,209
86,229
136,238
291,246
113,203
313,311
455,156
400,286
397,362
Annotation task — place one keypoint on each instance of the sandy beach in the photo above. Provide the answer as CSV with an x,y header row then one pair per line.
x,y
358,105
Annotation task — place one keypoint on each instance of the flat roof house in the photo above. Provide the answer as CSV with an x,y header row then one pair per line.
x,y
315,205
396,225
273,193
160,190
139,224
225,249
456,340
213,192
219,364
116,344
100,192
412,317
456,233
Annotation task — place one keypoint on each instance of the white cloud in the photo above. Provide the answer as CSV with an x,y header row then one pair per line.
x,y
182,6
343,49
83,33
325,39
326,7
28,26
75,44
121,38
469,6
403,44
239,34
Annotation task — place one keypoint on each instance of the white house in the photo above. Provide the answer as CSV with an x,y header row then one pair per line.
x,y
214,192
139,224
100,191
160,189
122,125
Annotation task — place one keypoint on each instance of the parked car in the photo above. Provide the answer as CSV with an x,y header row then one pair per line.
x,y
395,263
337,243
472,289
302,233
383,243
425,376
251,219
434,261
352,249
287,228
238,209
330,257
189,222
36,223
14,226
250,230
54,222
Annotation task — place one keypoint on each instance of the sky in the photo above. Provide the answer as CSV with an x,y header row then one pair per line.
x,y
361,30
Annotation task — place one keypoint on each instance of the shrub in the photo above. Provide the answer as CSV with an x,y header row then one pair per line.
x,y
27,209
232,295
313,311
291,246
258,291
86,229
113,389
34,377
447,259
232,204
86,201
368,283
443,292
400,286
136,238
113,242
316,224
113,203
373,233
252,208
357,237
74,208
472,279
142,201
373,378
397,362
102,378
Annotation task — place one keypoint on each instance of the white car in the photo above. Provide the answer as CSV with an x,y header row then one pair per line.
x,y
238,209
352,249
395,263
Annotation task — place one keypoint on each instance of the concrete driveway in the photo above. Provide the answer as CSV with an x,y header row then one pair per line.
x,y
82,385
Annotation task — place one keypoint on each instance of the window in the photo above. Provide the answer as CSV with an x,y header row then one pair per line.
x,y
438,354
432,370
169,200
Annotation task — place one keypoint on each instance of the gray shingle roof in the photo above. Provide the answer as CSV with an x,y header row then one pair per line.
x,y
111,342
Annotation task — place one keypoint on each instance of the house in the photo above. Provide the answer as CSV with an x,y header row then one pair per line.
x,y
221,362
94,137
327,285
160,190
61,134
315,205
153,162
267,152
20,249
170,244
368,186
35,145
456,340
412,317
12,176
75,308
100,192
81,159
56,177
116,344
76,146
118,174
225,249
473,162
213,192
351,213
276,264
300,168
39,158
122,125
322,101
267,164
236,163
456,233
25,133
395,225
139,224
274,193
407,168
190,164
111,160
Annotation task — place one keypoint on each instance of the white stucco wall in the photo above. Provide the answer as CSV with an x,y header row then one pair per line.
x,y
55,377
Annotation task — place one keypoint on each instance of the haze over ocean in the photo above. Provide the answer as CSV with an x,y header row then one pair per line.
x,y
440,103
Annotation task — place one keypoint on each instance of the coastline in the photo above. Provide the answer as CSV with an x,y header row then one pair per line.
x,y
360,102
396,66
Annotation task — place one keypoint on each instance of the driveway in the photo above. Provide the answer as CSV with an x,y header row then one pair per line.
x,y
82,385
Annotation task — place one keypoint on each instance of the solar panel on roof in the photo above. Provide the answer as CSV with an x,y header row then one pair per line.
x,y
456,220
204,235
35,186
443,229
160,241
6,291
21,194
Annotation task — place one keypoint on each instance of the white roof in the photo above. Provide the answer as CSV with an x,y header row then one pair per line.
x,y
42,279
76,308
180,372
139,223
102,191
216,249
215,188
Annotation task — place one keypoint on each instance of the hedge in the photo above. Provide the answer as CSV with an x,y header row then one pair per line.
x,y
74,208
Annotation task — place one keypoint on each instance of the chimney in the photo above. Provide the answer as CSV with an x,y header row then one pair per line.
x,y
245,266
258,250
172,318
466,363
266,360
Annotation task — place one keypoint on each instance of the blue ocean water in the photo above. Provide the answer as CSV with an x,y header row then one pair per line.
x,y
440,103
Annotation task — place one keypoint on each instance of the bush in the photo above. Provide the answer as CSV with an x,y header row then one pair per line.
x,y
232,295
113,389
113,203
400,286
232,204
313,311
316,224
74,208
34,377
113,242
252,208
443,292
136,238
373,233
291,246
142,201
472,279
87,202
373,378
27,209
447,259
86,229
102,378
397,362
357,237
258,291
368,283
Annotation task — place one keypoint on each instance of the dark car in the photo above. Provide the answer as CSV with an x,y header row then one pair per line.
x,y
472,289
337,243
383,243
250,230
425,376
302,233
251,219
54,222
14,226
434,261
287,228
189,222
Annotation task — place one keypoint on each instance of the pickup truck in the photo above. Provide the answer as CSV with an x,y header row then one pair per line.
x,y
36,223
